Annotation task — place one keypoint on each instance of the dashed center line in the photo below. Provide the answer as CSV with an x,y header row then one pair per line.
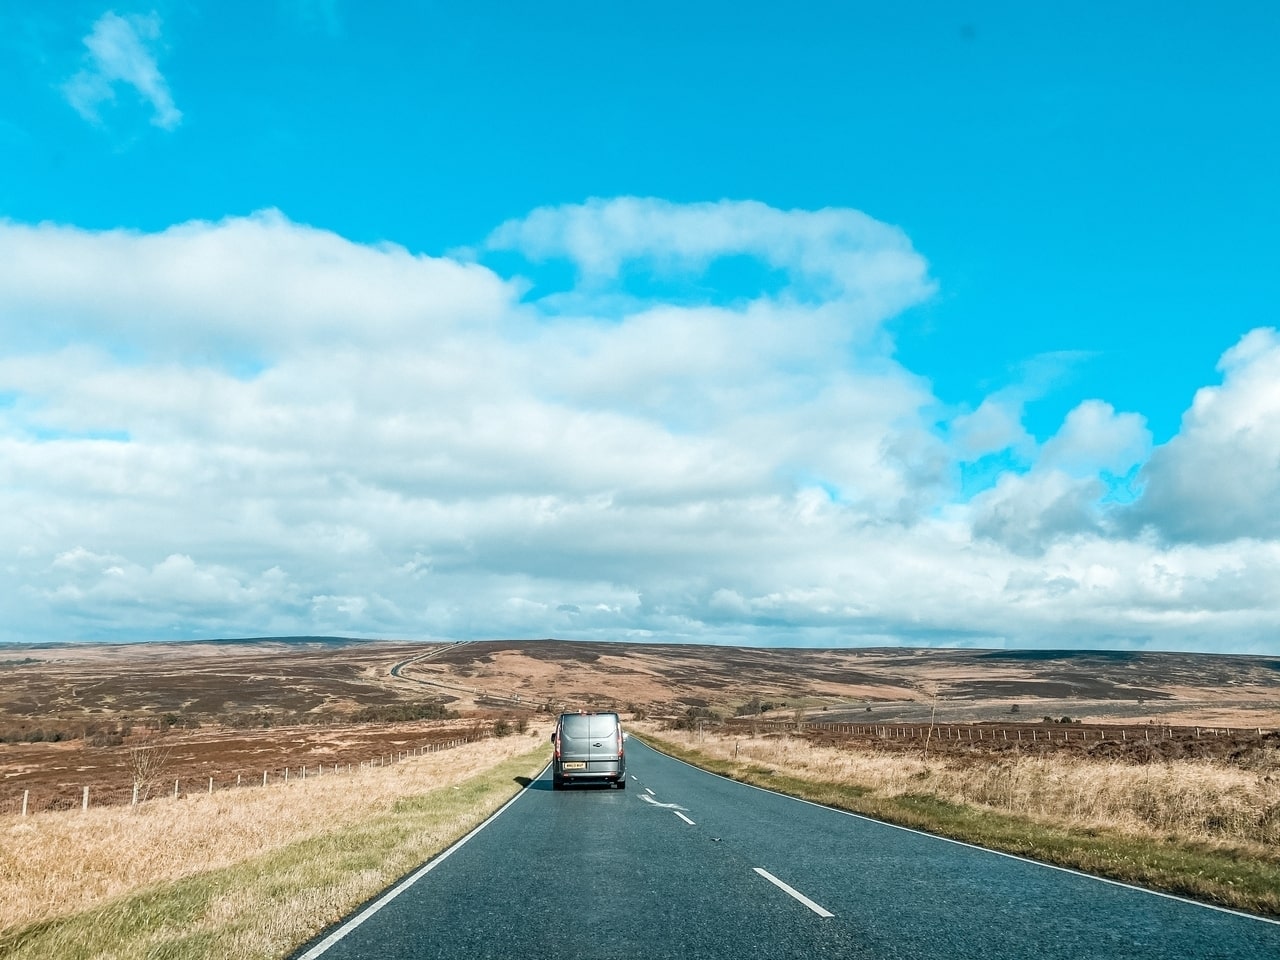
x,y
649,791
684,818
793,892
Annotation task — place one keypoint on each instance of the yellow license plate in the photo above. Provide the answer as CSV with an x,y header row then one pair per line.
x,y
574,765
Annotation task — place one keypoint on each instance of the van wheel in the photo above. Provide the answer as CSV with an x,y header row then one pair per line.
x,y
557,783
622,784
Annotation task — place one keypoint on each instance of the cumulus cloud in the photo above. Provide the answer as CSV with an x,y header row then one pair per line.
x,y
1027,512
120,51
1095,438
254,426
996,425
238,287
1219,479
829,255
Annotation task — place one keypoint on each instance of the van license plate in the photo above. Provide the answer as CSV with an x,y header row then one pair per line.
x,y
574,765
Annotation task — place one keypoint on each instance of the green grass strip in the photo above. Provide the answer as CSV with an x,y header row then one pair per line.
x,y
1225,876
268,906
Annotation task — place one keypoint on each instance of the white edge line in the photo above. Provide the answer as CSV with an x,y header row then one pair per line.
x,y
974,846
792,891
324,945
684,818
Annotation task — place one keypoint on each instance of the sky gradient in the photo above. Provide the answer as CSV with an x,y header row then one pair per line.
x,y
825,324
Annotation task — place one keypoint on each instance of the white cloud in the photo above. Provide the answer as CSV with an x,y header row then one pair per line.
x,y
1219,479
121,51
253,427
240,287
996,425
1027,512
1095,438
1059,495
829,255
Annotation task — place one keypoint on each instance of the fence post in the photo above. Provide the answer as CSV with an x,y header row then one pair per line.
x,y
135,795
26,794
264,778
211,786
84,804
175,789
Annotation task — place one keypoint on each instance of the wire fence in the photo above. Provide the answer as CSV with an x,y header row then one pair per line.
x,y
152,784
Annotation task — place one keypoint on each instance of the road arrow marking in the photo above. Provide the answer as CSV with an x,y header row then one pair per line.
x,y
665,806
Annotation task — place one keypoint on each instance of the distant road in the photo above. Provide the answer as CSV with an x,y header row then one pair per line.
x,y
515,699
683,864
434,652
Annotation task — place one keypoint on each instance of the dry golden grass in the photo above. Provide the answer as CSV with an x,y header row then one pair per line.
x,y
58,864
1193,800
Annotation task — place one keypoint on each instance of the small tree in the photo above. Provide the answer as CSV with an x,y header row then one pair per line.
x,y
145,766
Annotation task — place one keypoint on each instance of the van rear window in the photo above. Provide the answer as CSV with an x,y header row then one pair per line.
x,y
575,726
603,725
594,725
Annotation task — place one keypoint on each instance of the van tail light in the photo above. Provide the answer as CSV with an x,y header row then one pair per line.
x,y
557,744
619,741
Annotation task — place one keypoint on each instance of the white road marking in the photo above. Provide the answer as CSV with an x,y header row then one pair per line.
x,y
684,818
792,891
665,806
648,791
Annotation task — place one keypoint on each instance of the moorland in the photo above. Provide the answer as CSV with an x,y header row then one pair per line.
x,y
1161,769
70,714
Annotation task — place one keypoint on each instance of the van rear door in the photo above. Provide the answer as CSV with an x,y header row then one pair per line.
x,y
604,737
575,742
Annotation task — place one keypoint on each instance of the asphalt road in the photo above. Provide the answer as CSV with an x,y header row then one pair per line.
x,y
683,864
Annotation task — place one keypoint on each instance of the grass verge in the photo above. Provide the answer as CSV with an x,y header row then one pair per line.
x,y
266,906
1212,873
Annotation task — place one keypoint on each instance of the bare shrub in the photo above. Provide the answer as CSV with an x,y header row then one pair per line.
x,y
146,766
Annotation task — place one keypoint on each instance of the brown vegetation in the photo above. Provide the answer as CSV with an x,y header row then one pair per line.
x,y
1197,826
74,715
56,864
1230,792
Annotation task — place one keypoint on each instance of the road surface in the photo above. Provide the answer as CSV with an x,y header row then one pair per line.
x,y
683,864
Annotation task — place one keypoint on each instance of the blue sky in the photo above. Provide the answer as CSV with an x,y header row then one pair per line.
x,y
828,323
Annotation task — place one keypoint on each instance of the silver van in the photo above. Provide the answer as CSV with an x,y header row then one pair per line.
x,y
588,749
